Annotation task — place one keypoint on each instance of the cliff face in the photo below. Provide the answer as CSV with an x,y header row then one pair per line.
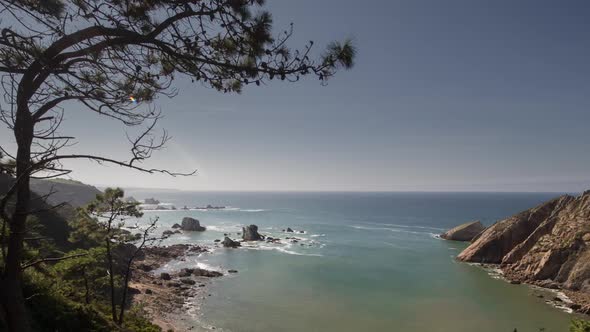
x,y
546,245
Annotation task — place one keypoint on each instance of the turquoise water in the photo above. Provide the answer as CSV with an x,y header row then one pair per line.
x,y
369,262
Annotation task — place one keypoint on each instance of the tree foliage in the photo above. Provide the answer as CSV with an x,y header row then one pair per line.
x,y
580,326
115,58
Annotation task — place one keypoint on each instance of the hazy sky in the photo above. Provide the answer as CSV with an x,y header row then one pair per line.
x,y
445,95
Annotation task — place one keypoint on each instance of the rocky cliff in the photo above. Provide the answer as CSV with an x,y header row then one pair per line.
x,y
548,245
464,232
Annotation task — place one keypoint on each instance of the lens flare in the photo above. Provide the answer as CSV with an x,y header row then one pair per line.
x,y
132,99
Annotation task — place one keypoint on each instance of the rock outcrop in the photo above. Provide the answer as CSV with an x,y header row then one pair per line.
x,y
250,233
545,245
464,232
191,224
229,243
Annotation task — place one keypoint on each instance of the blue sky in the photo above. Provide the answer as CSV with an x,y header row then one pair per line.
x,y
445,95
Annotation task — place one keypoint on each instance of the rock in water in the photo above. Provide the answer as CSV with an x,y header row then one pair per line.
x,y
206,273
548,245
289,230
176,226
229,243
250,233
190,224
465,232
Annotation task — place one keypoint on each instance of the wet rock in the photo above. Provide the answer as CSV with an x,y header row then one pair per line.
x,y
184,273
232,271
251,233
217,240
229,243
188,281
167,233
206,273
575,306
192,225
289,230
176,226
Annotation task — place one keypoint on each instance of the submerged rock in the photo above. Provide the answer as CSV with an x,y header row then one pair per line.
x,y
251,233
191,224
464,232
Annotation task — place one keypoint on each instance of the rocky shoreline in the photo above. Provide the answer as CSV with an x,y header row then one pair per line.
x,y
164,296
564,299
547,246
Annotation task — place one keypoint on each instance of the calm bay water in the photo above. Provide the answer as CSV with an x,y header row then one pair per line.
x,y
367,262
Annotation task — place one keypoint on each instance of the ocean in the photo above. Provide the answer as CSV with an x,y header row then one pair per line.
x,y
364,262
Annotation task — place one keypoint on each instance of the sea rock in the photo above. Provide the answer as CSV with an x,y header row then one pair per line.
x,y
206,273
151,201
546,246
251,233
176,226
191,224
229,243
232,271
289,230
167,233
188,281
464,232
184,273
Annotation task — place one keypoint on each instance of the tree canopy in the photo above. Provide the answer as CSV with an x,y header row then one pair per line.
x,y
115,58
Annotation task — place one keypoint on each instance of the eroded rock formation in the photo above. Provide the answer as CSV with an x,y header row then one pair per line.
x,y
548,244
464,232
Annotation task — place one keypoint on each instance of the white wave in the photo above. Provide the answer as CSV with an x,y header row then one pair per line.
x,y
206,266
318,235
230,208
283,249
388,229
405,226
224,228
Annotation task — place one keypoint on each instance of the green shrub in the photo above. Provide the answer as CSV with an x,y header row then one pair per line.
x,y
580,326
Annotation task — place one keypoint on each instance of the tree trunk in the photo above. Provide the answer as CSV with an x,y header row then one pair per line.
x,y
111,280
86,287
11,298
